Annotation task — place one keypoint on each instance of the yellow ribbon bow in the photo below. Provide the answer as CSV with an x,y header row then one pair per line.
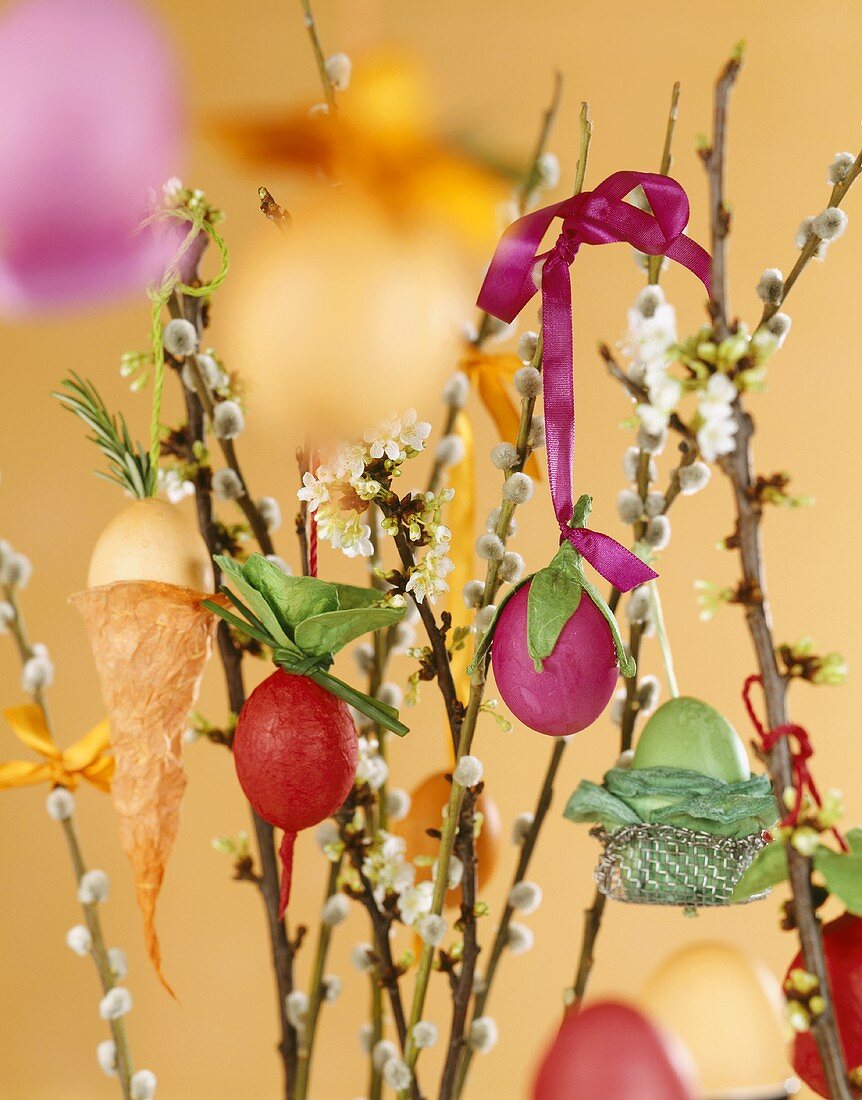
x,y
87,759
491,375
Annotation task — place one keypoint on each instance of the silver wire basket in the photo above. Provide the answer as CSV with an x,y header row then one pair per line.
x,y
663,865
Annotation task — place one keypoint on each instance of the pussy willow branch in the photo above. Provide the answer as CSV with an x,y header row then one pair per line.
x,y
543,804
655,262
319,57
281,946
739,468
92,916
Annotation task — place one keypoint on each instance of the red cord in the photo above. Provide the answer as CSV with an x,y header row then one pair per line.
x,y
803,780
312,545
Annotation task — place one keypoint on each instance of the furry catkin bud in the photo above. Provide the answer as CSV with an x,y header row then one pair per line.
x,y
424,1034
483,1034
518,488
830,224
528,382
60,804
649,300
468,771
521,827
770,288
654,504
431,929
180,338
489,547
779,325
649,690
527,344
338,69
473,592
456,390
630,507
536,437
228,420
93,887
504,456
397,803
450,450
651,442
526,897
117,1002
270,512
693,478
511,567
485,616
335,910
840,166
638,606
227,485
658,533
520,938
143,1085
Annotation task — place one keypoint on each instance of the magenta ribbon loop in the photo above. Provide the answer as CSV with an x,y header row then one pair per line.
x,y
601,216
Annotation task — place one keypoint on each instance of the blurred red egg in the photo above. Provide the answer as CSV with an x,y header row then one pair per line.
x,y
610,1051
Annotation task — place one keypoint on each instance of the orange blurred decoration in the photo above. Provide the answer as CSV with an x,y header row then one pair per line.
x,y
426,809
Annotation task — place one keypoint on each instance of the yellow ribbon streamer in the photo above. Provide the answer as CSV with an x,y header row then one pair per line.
x,y
491,375
87,759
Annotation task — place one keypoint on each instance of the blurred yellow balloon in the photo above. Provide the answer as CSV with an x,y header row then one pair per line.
x,y
351,315
726,1009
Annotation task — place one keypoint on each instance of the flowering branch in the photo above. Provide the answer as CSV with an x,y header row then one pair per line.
x,y
114,1055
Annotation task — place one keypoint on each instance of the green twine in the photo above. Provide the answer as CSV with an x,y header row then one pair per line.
x,y
160,296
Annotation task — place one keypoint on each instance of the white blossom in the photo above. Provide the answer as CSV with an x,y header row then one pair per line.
x,y
314,491
468,771
518,488
415,902
398,803
414,431
428,577
431,929
338,68
143,1085
296,1008
335,910
521,827
519,938
228,420
180,338
79,940
424,1034
60,804
483,1034
106,1056
93,887
526,897
117,1002
344,530
716,438
373,771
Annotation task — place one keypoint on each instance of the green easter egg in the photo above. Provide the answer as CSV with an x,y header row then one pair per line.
x,y
686,733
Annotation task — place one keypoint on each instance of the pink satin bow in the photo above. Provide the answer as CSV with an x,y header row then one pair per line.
x,y
593,217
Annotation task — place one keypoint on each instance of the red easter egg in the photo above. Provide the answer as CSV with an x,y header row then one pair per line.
x,y
610,1051
295,754
577,679
842,943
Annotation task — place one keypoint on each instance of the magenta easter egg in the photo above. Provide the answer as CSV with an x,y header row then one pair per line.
x,y
577,678
611,1051
90,133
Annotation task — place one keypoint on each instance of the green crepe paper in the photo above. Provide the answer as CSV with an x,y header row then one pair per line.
x,y
673,796
305,621
555,595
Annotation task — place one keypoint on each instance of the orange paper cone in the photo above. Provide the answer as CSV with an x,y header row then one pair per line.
x,y
150,642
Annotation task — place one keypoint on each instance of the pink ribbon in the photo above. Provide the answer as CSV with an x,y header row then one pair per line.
x,y
593,217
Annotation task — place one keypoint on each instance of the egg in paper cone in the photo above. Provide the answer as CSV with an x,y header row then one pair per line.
x,y
150,642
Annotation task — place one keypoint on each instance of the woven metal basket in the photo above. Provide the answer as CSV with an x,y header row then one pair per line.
x,y
663,865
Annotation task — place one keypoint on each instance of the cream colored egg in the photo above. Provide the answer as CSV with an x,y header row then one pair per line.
x,y
726,1009
151,540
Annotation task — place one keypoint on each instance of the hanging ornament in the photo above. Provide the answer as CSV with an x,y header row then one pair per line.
x,y
727,1010
95,129
842,943
427,802
684,821
295,743
557,649
610,1050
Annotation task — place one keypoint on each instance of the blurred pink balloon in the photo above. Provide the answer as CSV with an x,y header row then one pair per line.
x,y
90,127
610,1051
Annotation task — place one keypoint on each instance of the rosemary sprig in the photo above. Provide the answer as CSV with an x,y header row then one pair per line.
x,y
129,464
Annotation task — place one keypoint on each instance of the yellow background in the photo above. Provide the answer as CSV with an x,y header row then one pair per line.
x,y
490,62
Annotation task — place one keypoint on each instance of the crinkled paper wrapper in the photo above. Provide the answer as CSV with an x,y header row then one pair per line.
x,y
150,642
